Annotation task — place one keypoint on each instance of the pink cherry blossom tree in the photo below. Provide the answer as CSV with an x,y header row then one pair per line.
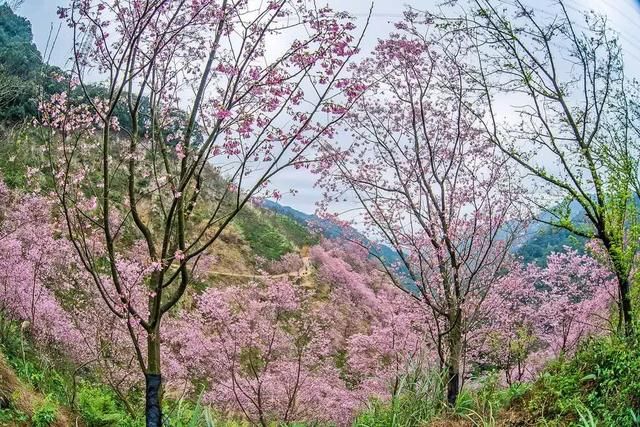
x,y
280,350
33,265
535,314
287,264
429,184
266,351
220,95
273,348
382,330
44,285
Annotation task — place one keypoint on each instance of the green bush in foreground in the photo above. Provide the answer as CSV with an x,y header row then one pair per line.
x,y
420,400
45,414
11,416
99,407
600,384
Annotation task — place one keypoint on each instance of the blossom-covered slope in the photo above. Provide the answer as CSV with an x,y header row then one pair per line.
x,y
310,337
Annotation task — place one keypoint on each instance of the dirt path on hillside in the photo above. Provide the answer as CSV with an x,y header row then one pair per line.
x,y
303,272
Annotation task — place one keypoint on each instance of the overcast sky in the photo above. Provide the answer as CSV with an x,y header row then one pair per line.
x,y
623,15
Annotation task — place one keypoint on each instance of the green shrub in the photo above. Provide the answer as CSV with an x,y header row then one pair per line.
x,y
11,416
100,407
420,400
187,413
600,383
20,152
45,414
271,235
31,365
265,241
293,231
483,406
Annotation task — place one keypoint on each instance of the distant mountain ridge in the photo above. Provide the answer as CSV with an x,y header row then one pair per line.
x,y
331,230
538,240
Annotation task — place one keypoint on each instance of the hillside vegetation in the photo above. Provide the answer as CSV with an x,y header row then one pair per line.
x,y
592,385
148,276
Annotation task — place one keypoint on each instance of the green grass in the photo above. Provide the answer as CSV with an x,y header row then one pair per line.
x,y
19,153
599,386
100,407
29,364
419,398
96,404
297,234
12,416
45,414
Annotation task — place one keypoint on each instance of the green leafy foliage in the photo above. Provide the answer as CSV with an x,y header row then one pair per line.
x,y
97,404
19,57
293,231
16,39
600,385
33,367
420,401
100,407
45,414
22,160
185,413
483,406
11,416
24,76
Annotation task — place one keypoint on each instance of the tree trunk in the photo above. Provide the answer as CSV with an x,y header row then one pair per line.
x,y
153,380
625,305
622,274
453,359
453,383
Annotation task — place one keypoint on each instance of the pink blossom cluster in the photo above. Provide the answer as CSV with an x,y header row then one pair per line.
x,y
44,286
33,267
66,116
535,314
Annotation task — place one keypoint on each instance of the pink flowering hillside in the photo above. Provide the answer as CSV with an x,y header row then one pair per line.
x,y
315,338
325,331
